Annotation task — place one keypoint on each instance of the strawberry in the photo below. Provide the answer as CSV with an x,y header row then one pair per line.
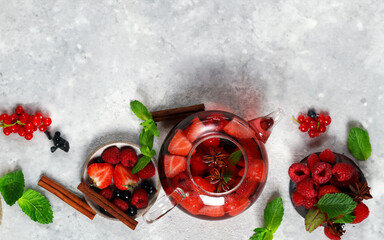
x,y
147,172
192,203
212,142
236,129
123,178
100,174
197,164
111,155
121,204
196,129
327,156
361,212
216,120
182,181
128,157
174,165
247,188
212,211
256,170
179,145
325,189
204,184
140,198
234,204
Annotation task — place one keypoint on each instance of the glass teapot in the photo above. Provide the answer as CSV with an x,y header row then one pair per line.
x,y
213,165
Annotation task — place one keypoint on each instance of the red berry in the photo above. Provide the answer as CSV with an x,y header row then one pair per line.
x,y
327,156
111,155
47,121
313,133
14,128
327,120
300,118
107,193
24,117
6,119
307,188
123,177
322,128
361,212
128,157
42,128
14,117
39,115
140,198
36,121
312,159
121,204
21,131
309,202
320,118
343,171
327,189
19,110
212,142
147,172
7,131
330,235
304,127
28,136
313,125
307,119
298,172
321,172
297,198
100,174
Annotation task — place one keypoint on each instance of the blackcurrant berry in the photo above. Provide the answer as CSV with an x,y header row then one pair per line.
x,y
132,211
98,160
151,190
125,195
311,113
116,193
146,184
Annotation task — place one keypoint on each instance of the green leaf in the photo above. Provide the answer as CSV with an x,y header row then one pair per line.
x,y
145,150
359,144
345,219
141,163
154,130
227,174
140,110
260,234
235,157
313,219
36,206
146,138
336,204
12,186
273,214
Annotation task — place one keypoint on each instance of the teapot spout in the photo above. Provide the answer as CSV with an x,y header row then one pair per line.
x,y
263,125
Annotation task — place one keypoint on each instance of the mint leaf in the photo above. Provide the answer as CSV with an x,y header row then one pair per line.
x,y
261,234
12,186
273,214
146,138
141,163
140,110
336,204
36,206
345,219
154,130
359,144
313,219
227,174
145,150
235,157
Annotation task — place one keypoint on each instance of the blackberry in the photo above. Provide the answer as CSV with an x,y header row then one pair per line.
x,y
98,160
311,113
132,211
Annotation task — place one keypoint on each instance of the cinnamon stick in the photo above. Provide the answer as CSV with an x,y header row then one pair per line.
x,y
67,196
176,113
107,205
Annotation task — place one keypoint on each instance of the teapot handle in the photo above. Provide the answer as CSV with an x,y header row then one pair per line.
x,y
163,205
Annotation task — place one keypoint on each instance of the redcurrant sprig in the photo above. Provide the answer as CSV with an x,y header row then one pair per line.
x,y
313,123
24,124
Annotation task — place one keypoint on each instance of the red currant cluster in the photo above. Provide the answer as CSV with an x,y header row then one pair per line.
x,y
22,123
314,123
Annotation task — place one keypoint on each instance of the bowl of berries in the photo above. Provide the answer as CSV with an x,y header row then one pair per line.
x,y
108,171
328,190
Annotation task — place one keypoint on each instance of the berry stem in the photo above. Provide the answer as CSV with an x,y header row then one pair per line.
x,y
294,119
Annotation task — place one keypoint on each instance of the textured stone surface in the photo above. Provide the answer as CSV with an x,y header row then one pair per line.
x,y
84,61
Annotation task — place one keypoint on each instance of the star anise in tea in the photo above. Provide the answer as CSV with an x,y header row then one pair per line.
x,y
217,177
359,191
216,158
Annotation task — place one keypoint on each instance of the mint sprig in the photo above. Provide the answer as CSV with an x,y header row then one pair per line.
x,y
273,215
359,144
235,157
33,204
147,135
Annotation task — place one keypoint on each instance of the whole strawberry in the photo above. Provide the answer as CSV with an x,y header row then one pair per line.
x,y
140,198
147,172
111,155
128,157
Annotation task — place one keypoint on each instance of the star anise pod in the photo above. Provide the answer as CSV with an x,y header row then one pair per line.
x,y
336,229
359,191
215,158
217,177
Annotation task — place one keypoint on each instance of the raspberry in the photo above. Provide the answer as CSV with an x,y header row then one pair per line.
x,y
327,189
298,172
128,157
312,159
111,155
297,198
140,198
361,212
327,156
107,193
123,206
321,172
307,188
309,202
147,172
343,171
330,235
